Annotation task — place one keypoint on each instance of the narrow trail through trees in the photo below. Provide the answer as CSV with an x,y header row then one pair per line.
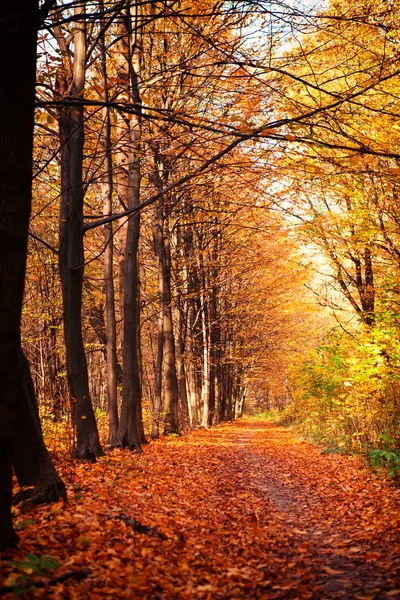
x,y
245,510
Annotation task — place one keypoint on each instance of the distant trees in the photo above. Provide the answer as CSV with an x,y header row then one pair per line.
x,y
157,126
342,178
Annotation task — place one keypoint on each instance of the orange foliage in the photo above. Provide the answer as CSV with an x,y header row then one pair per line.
x,y
245,510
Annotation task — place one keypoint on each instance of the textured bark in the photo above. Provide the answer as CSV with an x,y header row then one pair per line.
x,y
107,192
18,27
239,402
215,308
180,362
206,375
171,393
124,152
193,395
71,256
206,350
130,432
194,384
31,460
157,240
166,354
192,293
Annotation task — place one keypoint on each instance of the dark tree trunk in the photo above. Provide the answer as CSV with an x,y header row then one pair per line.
x,y
71,257
130,432
31,460
107,191
18,28
166,356
171,392
158,226
192,379
182,383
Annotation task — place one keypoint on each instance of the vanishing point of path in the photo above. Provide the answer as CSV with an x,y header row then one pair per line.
x,y
246,510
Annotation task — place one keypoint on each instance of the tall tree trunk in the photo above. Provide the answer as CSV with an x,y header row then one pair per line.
x,y
206,341
166,353
215,323
184,415
191,372
158,240
18,28
129,432
107,192
206,374
124,153
71,256
182,383
33,466
171,393
190,293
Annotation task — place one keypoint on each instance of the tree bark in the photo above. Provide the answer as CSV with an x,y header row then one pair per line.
x,y
33,466
182,383
107,192
171,393
18,29
157,241
206,374
124,152
193,387
71,255
129,432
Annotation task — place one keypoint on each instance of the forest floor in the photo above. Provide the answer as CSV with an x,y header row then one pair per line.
x,y
244,510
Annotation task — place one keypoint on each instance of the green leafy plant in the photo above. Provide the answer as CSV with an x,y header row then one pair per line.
x,y
38,565
24,524
386,458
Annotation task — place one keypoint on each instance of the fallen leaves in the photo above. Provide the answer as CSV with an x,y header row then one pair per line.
x,y
245,510
332,571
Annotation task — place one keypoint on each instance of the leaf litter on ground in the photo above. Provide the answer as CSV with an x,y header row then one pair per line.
x,y
244,510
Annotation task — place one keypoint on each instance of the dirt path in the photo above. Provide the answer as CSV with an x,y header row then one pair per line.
x,y
245,510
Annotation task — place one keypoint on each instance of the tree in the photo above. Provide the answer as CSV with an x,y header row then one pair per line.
x,y
71,254
18,29
107,191
129,433
37,477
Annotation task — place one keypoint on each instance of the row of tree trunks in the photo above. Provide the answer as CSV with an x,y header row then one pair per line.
x,y
188,374
128,429
207,380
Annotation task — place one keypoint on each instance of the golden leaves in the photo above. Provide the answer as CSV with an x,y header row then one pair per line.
x,y
241,511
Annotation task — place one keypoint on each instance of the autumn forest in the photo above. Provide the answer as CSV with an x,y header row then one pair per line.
x,y
200,299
